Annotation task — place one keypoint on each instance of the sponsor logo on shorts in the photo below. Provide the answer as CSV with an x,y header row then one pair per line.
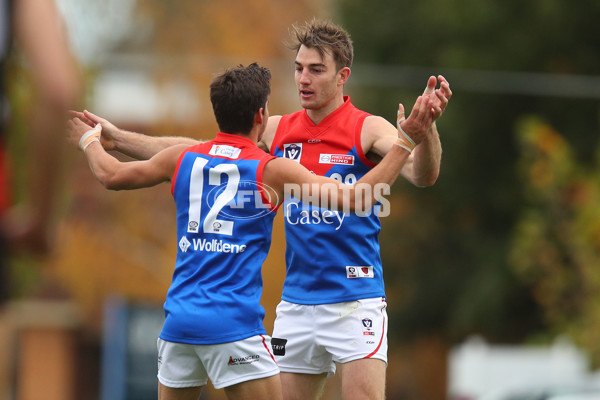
x,y
225,151
278,346
365,271
243,360
346,159
293,151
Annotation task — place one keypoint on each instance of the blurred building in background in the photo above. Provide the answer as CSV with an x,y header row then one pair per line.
x,y
478,370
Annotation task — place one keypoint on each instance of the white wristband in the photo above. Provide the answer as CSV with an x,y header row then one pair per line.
x,y
404,145
90,136
85,146
406,137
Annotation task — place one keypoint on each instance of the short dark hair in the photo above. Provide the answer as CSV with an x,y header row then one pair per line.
x,y
237,94
325,37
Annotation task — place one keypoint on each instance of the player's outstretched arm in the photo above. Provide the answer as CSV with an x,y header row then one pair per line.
x,y
116,175
132,144
287,177
290,179
423,166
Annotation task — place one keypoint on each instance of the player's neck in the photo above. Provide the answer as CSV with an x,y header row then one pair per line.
x,y
317,115
253,135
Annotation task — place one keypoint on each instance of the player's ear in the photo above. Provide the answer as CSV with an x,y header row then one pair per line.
x,y
259,117
343,75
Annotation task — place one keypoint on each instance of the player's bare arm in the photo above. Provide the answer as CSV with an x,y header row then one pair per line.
x,y
422,168
282,171
116,175
132,144
378,137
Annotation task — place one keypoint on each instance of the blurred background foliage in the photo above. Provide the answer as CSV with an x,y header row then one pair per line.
x,y
506,243
503,244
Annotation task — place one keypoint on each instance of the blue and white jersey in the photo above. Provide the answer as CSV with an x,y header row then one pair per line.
x,y
224,225
331,256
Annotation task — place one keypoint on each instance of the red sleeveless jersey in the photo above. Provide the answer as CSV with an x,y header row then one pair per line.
x,y
331,257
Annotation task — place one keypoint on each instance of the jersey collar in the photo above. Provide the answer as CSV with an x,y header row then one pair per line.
x,y
230,138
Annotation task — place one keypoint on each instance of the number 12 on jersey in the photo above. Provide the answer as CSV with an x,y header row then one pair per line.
x,y
211,223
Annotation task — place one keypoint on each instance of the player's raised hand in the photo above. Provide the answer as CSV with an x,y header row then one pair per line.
x,y
109,131
82,117
414,128
440,96
80,132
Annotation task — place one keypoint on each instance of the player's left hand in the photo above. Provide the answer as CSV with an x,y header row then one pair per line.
x,y
81,134
417,125
439,97
109,131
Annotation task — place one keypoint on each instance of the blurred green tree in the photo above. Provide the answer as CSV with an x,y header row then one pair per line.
x,y
556,246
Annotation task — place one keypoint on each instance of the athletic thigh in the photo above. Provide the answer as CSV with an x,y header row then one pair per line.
x,y
169,393
302,386
363,379
263,388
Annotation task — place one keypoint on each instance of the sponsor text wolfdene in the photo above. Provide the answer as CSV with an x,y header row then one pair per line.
x,y
217,246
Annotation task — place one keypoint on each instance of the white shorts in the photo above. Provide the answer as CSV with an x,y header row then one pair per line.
x,y
186,365
310,339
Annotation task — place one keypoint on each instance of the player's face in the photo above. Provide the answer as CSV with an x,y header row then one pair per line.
x,y
316,79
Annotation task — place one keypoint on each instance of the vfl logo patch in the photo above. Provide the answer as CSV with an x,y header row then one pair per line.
x,y
368,325
345,159
225,151
278,346
359,271
293,151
